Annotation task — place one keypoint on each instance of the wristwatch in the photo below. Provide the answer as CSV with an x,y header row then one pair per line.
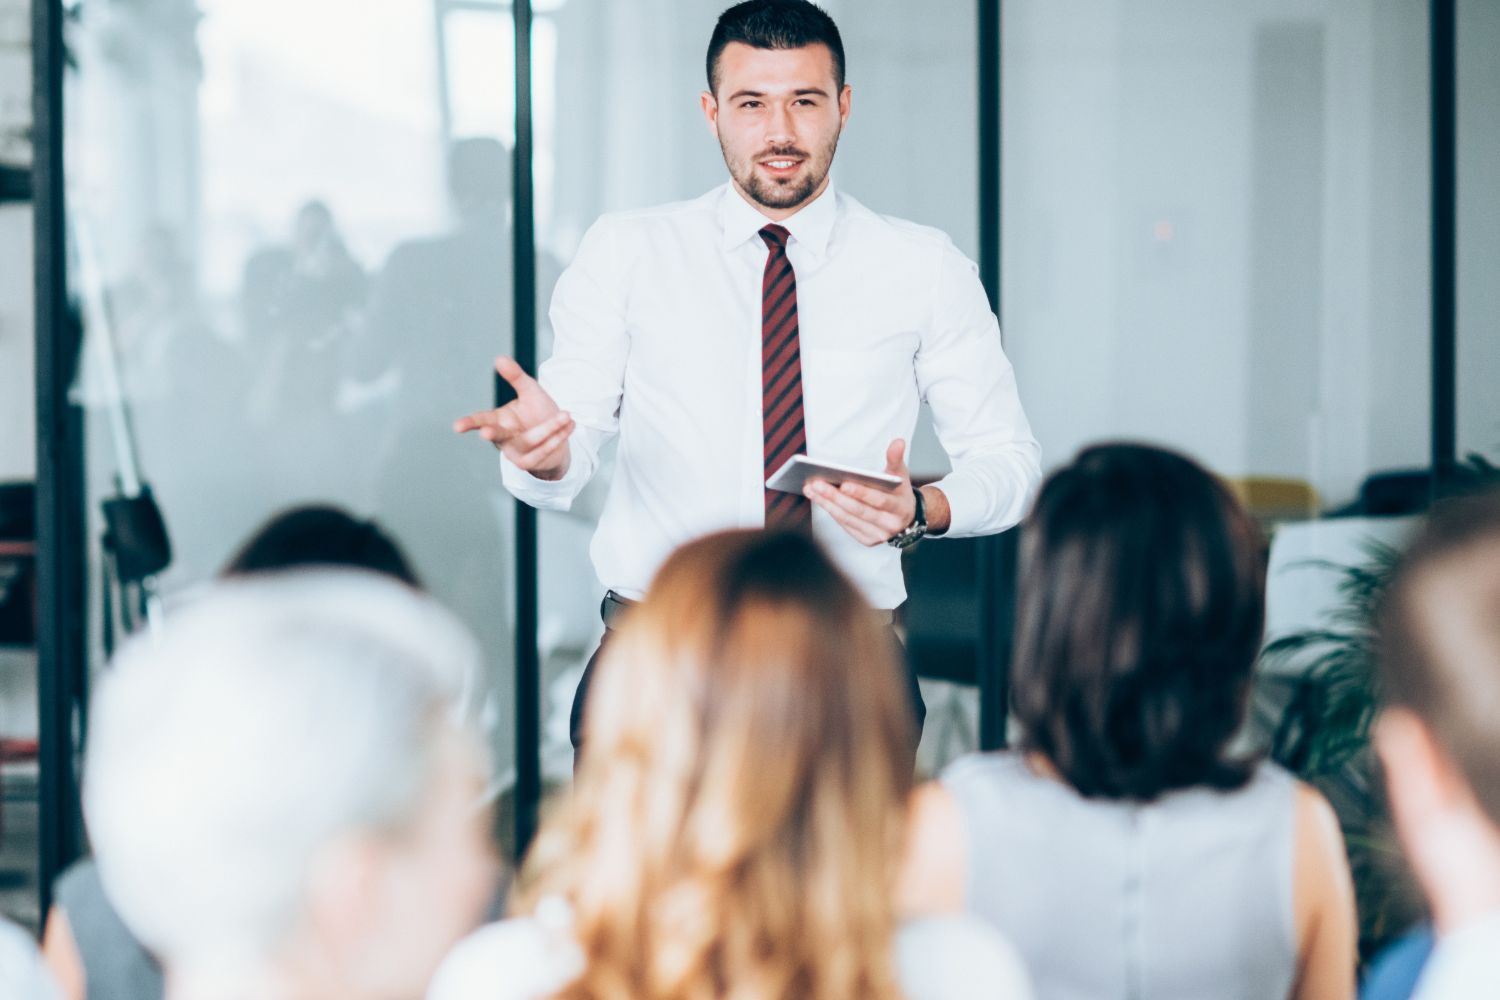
x,y
912,533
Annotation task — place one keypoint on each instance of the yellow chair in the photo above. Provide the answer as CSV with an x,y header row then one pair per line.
x,y
1271,500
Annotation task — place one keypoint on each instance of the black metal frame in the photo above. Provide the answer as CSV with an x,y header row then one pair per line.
x,y
528,789
1443,40
62,552
995,562
63,556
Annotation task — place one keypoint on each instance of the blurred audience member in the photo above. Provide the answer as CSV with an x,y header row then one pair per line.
x,y
317,535
1439,737
1122,847
280,800
90,951
689,862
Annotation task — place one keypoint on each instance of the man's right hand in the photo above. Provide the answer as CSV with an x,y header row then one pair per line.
x,y
530,430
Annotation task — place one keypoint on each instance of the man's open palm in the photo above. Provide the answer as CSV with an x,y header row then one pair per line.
x,y
530,430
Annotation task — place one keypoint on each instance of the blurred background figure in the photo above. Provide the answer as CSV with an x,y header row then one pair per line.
x,y
446,297
1123,847
280,799
440,312
300,303
1439,738
688,862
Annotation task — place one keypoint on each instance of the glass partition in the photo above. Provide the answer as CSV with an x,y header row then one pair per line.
x,y
1478,195
1216,237
291,235
1215,232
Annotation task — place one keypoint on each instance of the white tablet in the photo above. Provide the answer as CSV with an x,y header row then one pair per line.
x,y
793,475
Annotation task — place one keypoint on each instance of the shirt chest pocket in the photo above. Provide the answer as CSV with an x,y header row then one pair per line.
x,y
857,398
688,343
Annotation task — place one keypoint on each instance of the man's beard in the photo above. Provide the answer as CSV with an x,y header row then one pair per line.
x,y
774,194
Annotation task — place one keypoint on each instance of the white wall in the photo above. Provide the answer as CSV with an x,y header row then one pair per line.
x,y
911,148
1168,187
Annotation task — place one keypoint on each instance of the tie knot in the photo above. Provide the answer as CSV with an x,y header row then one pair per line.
x,y
775,237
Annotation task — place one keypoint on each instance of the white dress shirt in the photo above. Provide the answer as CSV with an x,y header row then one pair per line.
x,y
1465,963
658,338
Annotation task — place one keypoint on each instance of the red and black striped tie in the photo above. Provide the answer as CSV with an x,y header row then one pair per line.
x,y
781,381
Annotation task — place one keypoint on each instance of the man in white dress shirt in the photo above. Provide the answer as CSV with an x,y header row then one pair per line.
x,y
1439,738
772,316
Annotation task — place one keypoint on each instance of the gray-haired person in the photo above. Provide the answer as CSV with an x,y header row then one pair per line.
x,y
281,799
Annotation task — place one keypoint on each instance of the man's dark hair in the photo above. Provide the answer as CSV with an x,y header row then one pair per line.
x,y
775,24
321,536
1439,637
1139,620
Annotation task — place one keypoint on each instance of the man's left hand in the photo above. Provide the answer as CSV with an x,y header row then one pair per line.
x,y
871,516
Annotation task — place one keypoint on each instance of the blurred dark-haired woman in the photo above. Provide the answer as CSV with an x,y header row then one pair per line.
x,y
1123,846
321,536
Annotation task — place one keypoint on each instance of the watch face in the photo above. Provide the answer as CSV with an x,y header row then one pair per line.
x,y
910,536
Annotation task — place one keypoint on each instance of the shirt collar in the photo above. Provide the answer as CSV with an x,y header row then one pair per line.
x,y
810,227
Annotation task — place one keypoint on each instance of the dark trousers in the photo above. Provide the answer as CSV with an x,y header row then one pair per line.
x,y
580,698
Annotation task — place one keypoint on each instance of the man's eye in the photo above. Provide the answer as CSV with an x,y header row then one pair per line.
x,y
750,104
808,102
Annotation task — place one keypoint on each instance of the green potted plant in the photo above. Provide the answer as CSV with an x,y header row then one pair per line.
x,y
1313,709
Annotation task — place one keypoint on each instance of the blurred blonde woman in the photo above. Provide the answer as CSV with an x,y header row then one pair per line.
x,y
739,811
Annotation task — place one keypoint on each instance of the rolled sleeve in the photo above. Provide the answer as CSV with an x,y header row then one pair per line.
x,y
970,386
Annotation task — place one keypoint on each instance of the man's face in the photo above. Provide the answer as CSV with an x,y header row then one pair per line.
x,y
777,114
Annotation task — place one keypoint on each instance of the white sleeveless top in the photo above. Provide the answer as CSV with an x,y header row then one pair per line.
x,y
1183,898
531,958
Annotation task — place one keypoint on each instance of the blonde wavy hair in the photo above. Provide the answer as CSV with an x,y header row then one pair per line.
x,y
737,819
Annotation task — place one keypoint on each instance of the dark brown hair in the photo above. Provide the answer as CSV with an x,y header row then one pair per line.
x,y
775,24
1440,637
1141,607
316,535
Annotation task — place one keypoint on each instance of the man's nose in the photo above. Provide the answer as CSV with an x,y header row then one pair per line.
x,y
779,130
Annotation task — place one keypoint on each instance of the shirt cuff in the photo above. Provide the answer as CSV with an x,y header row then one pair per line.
x,y
966,505
545,494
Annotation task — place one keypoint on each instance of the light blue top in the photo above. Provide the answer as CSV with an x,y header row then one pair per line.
x,y
1186,897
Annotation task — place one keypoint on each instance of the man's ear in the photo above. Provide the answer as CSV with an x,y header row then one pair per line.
x,y
846,98
1422,781
710,111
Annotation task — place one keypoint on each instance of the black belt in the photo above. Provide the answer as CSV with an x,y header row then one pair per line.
x,y
613,607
